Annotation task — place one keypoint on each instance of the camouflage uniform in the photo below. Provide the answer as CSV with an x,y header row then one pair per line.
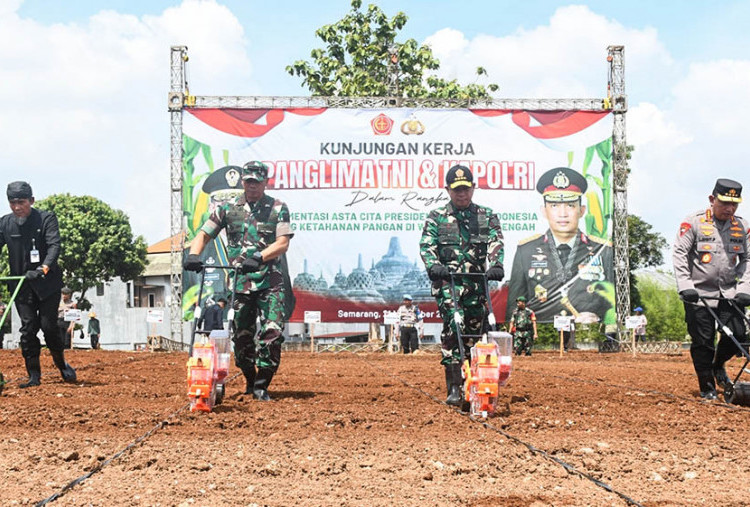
x,y
521,324
251,228
463,241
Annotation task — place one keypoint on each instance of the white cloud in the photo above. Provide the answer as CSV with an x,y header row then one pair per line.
x,y
562,59
85,108
649,126
686,143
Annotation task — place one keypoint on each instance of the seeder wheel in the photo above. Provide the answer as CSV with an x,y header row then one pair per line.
x,y
219,393
2,383
729,393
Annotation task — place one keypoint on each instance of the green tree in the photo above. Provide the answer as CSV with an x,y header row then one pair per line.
x,y
666,313
360,50
97,242
645,249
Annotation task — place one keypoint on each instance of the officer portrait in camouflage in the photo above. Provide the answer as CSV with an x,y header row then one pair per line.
x,y
460,237
523,327
564,269
710,259
258,233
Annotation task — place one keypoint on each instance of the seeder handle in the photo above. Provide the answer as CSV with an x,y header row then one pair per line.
x,y
724,328
13,297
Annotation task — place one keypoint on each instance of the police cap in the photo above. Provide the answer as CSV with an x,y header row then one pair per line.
x,y
561,184
728,190
19,190
459,176
255,170
408,296
66,290
225,178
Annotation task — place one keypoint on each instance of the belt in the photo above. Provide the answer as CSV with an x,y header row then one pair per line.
x,y
407,325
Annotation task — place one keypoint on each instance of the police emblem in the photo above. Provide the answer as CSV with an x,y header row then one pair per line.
x,y
560,180
706,258
684,227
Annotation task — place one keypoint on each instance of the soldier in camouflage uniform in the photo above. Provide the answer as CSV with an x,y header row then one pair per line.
x,y
461,237
523,327
258,234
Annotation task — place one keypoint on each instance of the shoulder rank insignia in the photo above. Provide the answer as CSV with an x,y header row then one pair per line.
x,y
529,239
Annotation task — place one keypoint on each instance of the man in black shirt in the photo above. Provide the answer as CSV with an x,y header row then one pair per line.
x,y
33,239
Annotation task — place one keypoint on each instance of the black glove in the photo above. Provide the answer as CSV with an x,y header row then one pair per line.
x,y
689,295
252,264
742,299
438,272
193,263
35,273
496,273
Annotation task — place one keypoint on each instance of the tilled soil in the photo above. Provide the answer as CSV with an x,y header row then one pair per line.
x,y
371,429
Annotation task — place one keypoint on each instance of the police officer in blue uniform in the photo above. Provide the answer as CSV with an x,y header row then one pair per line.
x,y
563,269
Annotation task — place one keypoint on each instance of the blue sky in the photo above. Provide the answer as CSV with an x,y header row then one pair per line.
x,y
85,82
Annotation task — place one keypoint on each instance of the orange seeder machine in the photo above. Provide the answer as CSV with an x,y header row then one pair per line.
x,y
208,364
491,356
488,371
207,370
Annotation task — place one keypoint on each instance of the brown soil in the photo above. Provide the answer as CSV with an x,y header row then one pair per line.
x,y
371,429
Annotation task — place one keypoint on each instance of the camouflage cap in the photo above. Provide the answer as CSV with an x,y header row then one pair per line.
x,y
255,170
522,299
728,190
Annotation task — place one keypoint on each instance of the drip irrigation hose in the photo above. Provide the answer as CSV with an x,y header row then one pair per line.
x,y
534,450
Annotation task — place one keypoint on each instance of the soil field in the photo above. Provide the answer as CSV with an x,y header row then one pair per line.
x,y
371,429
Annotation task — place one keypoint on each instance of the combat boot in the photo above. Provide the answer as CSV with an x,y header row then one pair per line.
x,y
707,386
454,382
249,374
262,381
34,370
67,371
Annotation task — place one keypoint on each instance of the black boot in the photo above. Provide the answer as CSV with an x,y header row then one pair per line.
x,y
720,374
35,372
67,371
249,374
706,385
262,381
454,381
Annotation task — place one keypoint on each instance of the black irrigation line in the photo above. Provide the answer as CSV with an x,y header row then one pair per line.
x,y
131,445
717,403
534,450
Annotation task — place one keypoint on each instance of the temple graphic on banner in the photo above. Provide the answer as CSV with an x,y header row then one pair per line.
x,y
385,282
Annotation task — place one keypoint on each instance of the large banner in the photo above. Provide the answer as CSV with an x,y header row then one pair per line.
x,y
359,184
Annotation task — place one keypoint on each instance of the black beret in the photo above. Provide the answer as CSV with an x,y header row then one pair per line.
x,y
19,190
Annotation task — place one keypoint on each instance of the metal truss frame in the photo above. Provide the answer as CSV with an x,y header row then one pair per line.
x,y
616,101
